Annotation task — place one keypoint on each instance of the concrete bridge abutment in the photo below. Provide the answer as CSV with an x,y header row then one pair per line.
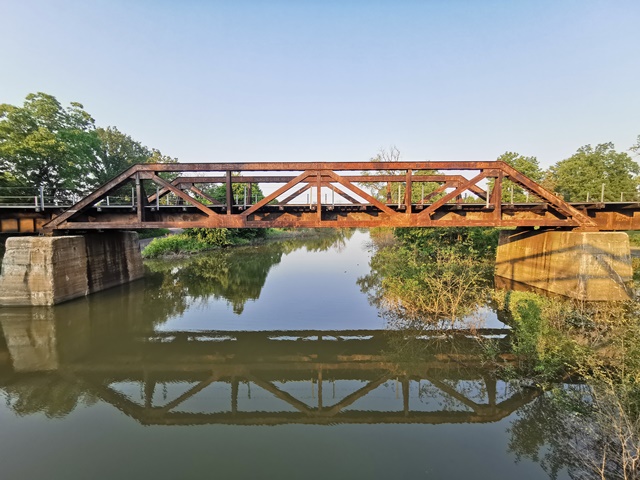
x,y
52,270
594,266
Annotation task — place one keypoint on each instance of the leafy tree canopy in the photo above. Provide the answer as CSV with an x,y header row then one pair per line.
x,y
116,152
219,192
589,168
43,143
636,148
529,166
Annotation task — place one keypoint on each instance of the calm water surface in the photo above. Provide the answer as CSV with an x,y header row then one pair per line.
x,y
258,362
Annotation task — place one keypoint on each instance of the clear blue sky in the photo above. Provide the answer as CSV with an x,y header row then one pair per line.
x,y
336,80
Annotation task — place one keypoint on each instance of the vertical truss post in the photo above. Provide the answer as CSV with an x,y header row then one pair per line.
x,y
405,396
42,198
496,197
492,389
319,195
320,389
149,388
234,395
140,199
229,193
459,198
407,193
250,189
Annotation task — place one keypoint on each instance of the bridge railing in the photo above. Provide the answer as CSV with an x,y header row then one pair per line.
x,y
38,198
322,194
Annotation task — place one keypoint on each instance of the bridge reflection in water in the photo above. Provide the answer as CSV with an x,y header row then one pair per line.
x,y
252,378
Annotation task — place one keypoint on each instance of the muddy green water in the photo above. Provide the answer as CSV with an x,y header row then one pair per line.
x,y
253,363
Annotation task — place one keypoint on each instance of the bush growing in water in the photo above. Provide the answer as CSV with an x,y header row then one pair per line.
x,y
477,242
199,239
429,278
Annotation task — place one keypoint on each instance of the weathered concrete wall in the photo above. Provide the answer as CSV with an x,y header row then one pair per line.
x,y
41,338
584,265
51,270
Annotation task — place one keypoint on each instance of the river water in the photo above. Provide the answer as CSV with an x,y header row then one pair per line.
x,y
250,363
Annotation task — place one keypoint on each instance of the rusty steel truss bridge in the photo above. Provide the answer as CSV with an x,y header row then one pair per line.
x,y
418,194
293,375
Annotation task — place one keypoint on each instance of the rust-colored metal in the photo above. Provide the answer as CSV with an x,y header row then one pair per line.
x,y
445,183
358,356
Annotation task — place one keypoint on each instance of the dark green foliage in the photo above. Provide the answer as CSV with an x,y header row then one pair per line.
x,y
116,152
43,143
477,242
584,173
219,192
234,274
214,237
152,232
221,237
634,238
526,165
426,280
174,244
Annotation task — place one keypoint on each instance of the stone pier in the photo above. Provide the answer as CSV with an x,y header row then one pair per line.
x,y
51,270
592,266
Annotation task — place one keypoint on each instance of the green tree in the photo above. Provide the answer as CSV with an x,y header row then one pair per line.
x,y
589,168
219,192
636,148
157,157
528,166
43,143
116,152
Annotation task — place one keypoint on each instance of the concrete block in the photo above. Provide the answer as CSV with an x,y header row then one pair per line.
x,y
583,265
51,270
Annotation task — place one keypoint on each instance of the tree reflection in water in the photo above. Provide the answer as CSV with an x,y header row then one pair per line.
x,y
236,275
413,289
53,360
296,377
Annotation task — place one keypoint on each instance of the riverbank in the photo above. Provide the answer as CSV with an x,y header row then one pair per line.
x,y
433,277
193,241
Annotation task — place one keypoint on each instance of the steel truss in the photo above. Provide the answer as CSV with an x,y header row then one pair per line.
x,y
446,202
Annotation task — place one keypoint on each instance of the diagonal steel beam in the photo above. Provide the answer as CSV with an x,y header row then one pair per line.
x,y
284,396
452,392
278,192
298,192
199,192
163,191
189,393
458,191
187,198
438,190
92,198
562,206
344,195
352,397
358,191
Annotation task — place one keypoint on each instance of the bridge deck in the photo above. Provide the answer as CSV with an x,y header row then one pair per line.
x,y
319,195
